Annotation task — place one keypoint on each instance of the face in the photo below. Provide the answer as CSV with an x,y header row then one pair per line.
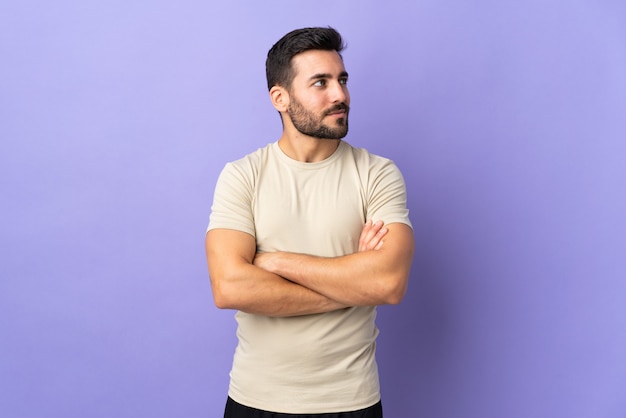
x,y
318,97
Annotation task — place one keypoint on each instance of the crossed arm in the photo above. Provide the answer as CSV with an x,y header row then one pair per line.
x,y
289,284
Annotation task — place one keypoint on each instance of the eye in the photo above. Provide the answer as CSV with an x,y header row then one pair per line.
x,y
343,81
320,83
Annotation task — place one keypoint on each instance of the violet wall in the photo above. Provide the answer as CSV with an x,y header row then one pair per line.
x,y
507,119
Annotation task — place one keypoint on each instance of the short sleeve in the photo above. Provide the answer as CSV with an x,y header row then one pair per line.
x,y
232,201
387,198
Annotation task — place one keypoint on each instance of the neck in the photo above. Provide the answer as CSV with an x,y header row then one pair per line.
x,y
306,148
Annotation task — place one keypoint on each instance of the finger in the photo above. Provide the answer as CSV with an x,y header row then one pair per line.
x,y
377,238
377,241
364,231
372,236
369,230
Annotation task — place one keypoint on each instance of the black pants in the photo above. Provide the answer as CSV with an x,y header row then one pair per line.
x,y
235,410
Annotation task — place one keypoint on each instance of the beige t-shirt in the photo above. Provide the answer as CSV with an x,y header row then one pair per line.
x,y
312,363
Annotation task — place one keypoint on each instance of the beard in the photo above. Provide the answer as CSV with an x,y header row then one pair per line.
x,y
308,123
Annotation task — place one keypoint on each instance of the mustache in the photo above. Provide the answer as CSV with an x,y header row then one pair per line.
x,y
340,106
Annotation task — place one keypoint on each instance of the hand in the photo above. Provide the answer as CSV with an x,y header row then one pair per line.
x,y
372,236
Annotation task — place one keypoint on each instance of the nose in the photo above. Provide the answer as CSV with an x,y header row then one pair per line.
x,y
339,92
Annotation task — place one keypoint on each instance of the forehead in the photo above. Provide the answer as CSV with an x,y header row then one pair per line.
x,y
309,63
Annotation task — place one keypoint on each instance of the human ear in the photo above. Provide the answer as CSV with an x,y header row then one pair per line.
x,y
280,98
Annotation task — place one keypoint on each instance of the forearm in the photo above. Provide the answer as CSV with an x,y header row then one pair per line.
x,y
354,279
365,278
238,284
253,290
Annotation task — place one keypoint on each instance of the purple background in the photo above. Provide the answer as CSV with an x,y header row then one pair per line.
x,y
508,119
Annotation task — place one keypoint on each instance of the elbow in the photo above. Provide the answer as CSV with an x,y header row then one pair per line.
x,y
394,290
394,297
222,297
220,301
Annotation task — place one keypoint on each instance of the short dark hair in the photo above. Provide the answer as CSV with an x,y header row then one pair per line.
x,y
278,69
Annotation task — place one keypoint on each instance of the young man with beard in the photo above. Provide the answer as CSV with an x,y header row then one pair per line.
x,y
295,245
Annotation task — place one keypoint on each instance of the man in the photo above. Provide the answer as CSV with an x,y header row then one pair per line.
x,y
295,245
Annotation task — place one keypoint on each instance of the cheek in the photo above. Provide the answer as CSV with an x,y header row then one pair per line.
x,y
317,106
312,102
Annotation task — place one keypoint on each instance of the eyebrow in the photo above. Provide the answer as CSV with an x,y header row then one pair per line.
x,y
343,74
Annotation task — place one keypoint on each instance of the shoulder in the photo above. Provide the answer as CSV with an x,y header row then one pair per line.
x,y
370,162
253,159
249,165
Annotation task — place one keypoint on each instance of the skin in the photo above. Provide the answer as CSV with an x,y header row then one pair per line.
x,y
238,283
319,86
287,284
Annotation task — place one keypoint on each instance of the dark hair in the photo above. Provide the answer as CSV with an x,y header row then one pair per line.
x,y
278,69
